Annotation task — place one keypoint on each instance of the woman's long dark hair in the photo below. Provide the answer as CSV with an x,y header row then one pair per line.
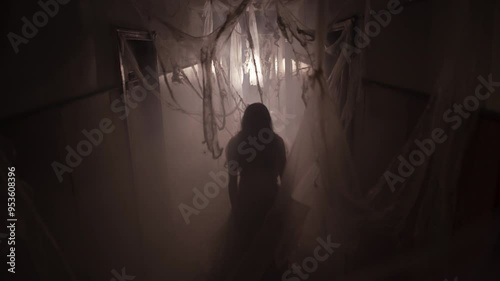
x,y
256,118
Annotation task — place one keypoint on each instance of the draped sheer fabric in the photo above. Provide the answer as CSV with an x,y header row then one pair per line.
x,y
320,194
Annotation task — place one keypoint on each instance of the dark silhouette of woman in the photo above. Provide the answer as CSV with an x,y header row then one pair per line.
x,y
256,159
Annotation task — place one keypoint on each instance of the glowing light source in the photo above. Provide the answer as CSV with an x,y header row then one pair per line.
x,y
254,57
251,70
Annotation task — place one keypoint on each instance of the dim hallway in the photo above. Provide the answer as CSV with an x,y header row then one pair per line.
x,y
251,140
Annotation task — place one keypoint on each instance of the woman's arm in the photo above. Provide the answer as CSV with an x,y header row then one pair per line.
x,y
232,170
281,157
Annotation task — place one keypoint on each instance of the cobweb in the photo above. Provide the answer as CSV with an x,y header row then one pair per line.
x,y
320,194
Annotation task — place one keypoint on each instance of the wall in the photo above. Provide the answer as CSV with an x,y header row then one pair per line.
x,y
402,66
63,81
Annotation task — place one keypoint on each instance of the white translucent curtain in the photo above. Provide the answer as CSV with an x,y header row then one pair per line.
x,y
340,207
320,194
345,78
319,173
208,24
253,64
318,197
178,50
430,193
235,60
320,170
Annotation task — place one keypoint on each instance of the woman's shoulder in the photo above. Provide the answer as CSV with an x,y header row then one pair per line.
x,y
233,142
240,137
